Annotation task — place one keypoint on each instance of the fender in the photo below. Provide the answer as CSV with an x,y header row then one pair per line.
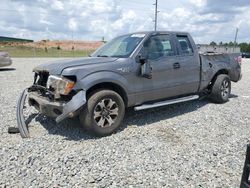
x,y
217,67
104,76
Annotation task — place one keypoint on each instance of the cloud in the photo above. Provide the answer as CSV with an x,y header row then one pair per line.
x,y
198,3
209,20
206,20
57,5
72,24
221,7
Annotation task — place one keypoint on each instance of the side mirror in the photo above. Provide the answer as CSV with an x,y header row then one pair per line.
x,y
146,69
141,58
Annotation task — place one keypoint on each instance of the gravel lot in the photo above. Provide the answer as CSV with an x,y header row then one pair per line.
x,y
193,144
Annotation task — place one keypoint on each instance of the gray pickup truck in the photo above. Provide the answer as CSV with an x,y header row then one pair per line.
x,y
141,70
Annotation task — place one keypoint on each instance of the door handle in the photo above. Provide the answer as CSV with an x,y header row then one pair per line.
x,y
176,65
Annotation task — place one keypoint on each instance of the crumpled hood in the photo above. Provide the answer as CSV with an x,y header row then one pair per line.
x,y
56,67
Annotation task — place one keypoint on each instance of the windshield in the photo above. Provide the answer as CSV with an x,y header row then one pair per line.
x,y
121,46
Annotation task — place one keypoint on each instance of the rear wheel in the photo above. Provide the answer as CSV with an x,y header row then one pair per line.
x,y
221,89
103,112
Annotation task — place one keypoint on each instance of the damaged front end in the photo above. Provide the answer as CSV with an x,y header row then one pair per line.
x,y
51,95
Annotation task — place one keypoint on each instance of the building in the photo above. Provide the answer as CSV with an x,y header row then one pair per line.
x,y
219,49
10,39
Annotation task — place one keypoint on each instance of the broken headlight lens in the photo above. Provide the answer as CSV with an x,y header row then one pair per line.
x,y
60,85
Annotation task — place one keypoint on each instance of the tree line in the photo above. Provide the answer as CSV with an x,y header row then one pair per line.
x,y
244,47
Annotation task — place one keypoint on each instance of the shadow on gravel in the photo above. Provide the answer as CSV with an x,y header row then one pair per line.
x,y
142,118
233,96
72,130
69,128
7,69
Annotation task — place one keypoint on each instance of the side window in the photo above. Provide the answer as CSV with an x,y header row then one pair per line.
x,y
185,45
159,46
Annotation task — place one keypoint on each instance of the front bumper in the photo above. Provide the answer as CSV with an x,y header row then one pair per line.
x,y
57,109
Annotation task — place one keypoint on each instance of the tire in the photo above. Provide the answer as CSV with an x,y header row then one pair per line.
x,y
221,89
103,112
22,126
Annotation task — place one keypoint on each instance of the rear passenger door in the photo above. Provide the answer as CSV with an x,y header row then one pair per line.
x,y
188,73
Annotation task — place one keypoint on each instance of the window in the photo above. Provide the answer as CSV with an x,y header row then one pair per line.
x,y
185,45
159,46
121,46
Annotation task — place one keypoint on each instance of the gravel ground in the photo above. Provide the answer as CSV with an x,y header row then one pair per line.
x,y
193,144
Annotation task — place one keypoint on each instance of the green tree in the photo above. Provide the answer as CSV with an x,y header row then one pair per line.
x,y
213,43
230,43
245,47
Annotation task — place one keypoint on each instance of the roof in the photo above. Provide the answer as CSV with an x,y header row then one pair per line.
x,y
11,39
159,32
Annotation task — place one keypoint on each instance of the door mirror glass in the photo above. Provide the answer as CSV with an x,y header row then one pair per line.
x,y
146,70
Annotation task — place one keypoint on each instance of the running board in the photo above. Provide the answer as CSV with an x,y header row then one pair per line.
x,y
167,102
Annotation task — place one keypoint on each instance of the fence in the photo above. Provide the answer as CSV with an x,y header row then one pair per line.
x,y
220,49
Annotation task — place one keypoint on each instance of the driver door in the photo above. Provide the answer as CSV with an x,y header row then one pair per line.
x,y
167,74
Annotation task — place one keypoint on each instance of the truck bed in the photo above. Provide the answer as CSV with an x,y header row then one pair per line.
x,y
210,63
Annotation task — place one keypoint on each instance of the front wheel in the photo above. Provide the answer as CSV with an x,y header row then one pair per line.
x,y
103,112
221,89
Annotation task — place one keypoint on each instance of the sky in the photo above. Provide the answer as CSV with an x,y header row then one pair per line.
x,y
206,20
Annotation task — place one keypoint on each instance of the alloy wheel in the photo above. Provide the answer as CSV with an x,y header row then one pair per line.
x,y
106,112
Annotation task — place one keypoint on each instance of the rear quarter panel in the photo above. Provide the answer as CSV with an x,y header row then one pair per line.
x,y
212,63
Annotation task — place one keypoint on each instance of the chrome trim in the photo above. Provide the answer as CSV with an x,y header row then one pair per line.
x,y
167,102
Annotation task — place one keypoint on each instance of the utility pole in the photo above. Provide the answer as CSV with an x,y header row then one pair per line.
x,y
235,38
156,13
73,45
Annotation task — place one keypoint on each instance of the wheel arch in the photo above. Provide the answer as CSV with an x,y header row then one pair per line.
x,y
219,72
107,80
109,85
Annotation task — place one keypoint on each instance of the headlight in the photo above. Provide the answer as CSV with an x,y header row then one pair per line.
x,y
60,85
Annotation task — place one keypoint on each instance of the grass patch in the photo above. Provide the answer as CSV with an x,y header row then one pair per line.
x,y
22,51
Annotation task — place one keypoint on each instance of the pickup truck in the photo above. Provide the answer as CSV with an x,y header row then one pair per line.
x,y
141,70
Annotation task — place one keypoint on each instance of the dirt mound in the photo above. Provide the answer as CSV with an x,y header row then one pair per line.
x,y
66,45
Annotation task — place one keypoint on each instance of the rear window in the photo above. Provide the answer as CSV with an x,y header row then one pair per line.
x,y
185,45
